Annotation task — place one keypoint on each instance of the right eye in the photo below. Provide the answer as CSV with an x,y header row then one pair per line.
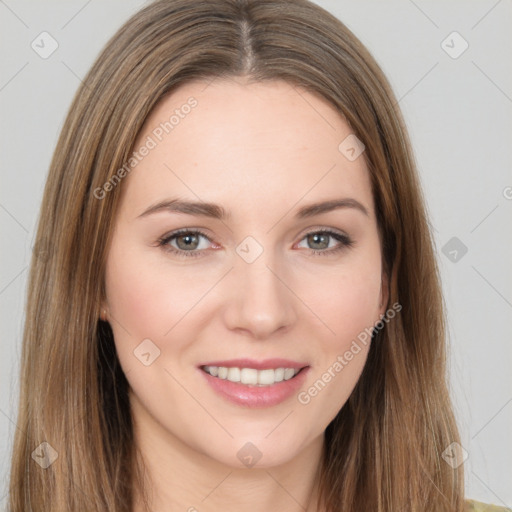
x,y
184,242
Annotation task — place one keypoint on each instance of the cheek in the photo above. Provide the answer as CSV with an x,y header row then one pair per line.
x,y
346,300
353,307
147,299
349,314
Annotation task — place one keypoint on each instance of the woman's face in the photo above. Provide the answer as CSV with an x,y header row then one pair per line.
x,y
273,283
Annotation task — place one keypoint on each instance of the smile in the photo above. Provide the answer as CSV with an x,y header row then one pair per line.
x,y
252,376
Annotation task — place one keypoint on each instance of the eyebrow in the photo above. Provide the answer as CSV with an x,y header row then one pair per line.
x,y
216,211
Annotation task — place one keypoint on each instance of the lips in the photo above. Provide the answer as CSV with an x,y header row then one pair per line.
x,y
253,383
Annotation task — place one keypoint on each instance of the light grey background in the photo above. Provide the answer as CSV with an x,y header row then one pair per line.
x,y
458,111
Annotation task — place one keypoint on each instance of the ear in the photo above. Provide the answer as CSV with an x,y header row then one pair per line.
x,y
104,311
384,293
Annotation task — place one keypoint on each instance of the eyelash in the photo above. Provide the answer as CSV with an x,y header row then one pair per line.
x,y
345,242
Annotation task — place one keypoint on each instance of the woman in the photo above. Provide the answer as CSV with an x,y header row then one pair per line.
x,y
196,339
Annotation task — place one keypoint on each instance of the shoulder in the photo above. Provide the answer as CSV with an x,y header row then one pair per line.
x,y
477,506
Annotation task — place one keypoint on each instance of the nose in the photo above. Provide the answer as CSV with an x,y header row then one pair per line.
x,y
260,303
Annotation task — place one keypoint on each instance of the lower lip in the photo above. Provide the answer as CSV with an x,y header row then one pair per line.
x,y
256,396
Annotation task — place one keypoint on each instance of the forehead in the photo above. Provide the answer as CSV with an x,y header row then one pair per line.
x,y
246,144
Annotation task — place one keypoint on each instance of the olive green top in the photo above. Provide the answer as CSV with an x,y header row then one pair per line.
x,y
477,506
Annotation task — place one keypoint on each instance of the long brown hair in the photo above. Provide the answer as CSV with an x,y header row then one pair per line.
x,y
383,450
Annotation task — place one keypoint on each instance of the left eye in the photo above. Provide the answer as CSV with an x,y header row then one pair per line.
x,y
322,240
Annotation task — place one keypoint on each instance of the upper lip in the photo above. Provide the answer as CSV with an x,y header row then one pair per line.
x,y
263,364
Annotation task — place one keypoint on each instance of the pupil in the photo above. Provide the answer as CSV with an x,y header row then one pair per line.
x,y
317,239
191,240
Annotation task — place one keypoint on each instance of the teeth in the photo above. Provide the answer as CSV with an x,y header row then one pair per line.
x,y
279,374
288,373
248,376
252,376
266,377
234,374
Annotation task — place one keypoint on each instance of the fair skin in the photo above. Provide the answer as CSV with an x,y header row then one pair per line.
x,y
261,151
